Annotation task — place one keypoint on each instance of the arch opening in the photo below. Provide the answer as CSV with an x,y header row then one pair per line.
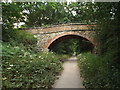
x,y
71,44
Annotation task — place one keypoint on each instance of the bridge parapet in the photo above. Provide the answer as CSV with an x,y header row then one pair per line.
x,y
60,28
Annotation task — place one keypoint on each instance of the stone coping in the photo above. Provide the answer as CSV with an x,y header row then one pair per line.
x,y
57,25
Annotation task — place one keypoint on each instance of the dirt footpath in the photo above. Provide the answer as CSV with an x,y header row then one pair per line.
x,y
70,77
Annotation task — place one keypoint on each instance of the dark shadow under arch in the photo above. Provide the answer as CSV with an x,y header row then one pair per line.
x,y
58,40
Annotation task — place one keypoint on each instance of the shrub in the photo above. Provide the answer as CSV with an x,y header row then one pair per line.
x,y
19,36
99,71
24,69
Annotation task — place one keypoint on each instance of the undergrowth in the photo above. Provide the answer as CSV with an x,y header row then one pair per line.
x,y
99,71
23,67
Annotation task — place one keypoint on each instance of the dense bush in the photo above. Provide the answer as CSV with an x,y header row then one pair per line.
x,y
23,69
19,36
99,71
103,70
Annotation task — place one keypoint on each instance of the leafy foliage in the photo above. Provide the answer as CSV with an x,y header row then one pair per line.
x,y
108,33
20,37
36,14
103,70
72,46
11,13
98,71
23,69
44,13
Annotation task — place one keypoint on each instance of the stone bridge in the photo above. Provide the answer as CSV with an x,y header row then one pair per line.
x,y
49,36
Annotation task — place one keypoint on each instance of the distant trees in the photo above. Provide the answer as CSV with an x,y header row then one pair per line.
x,y
72,46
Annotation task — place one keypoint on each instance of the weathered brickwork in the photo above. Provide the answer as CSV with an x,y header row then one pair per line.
x,y
47,35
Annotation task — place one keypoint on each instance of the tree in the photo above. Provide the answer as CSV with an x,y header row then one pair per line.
x,y
44,13
11,14
108,34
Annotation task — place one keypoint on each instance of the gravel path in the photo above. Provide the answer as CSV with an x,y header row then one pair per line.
x,y
70,76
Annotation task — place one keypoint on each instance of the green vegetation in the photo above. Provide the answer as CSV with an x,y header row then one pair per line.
x,y
72,46
24,67
37,14
99,71
103,70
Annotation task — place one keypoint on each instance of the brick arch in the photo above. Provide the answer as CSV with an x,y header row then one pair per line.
x,y
51,40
